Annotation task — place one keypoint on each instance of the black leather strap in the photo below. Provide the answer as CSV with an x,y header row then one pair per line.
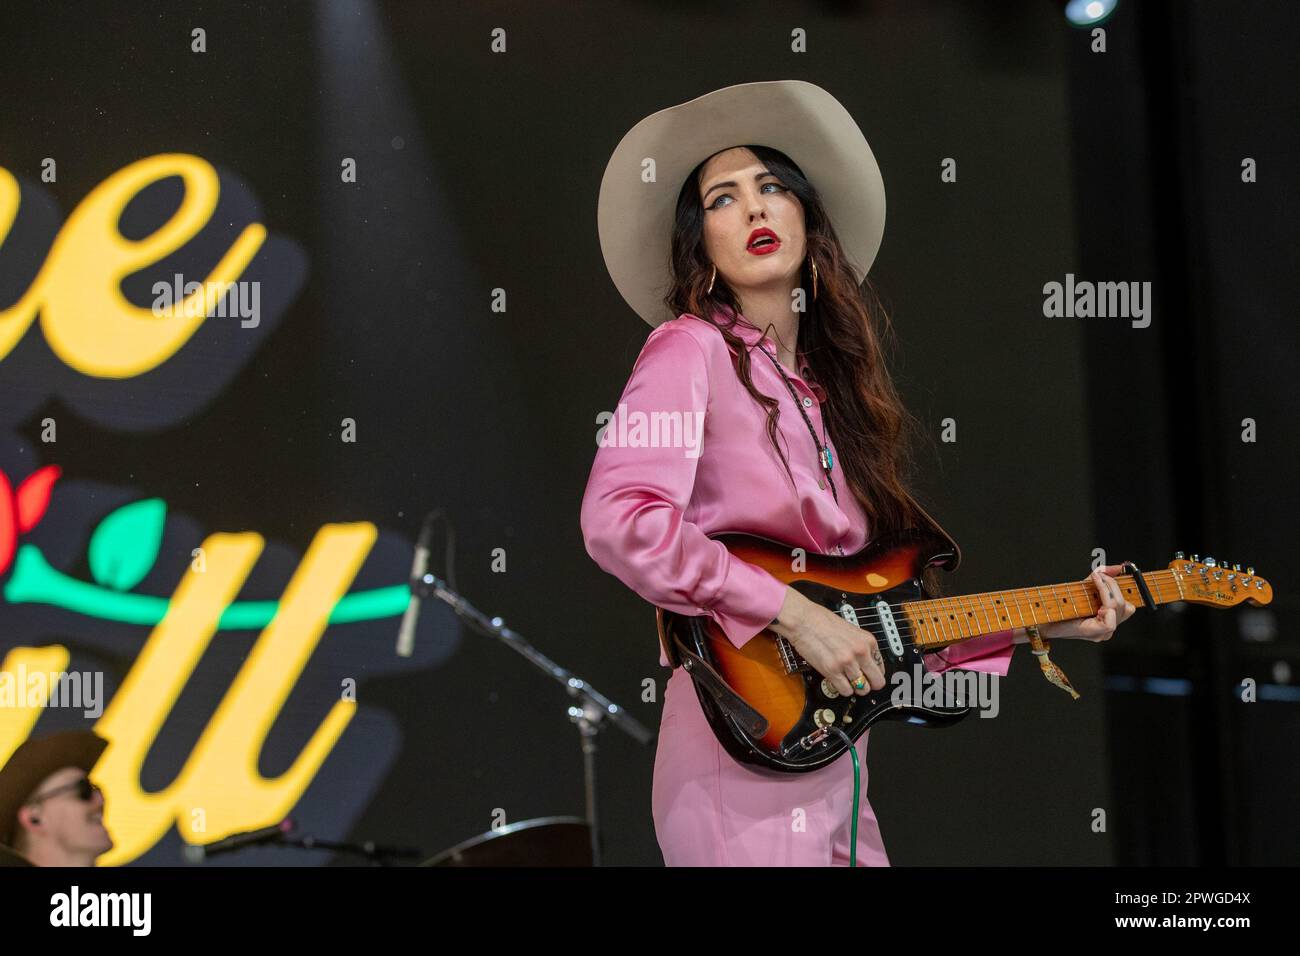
x,y
732,704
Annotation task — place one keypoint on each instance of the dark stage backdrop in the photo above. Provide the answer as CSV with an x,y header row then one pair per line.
x,y
286,454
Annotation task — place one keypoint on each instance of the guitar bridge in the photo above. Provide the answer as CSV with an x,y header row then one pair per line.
x,y
791,660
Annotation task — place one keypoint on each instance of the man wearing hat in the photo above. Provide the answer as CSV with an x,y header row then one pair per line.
x,y
50,812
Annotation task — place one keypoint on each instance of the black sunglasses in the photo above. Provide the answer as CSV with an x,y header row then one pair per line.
x,y
85,791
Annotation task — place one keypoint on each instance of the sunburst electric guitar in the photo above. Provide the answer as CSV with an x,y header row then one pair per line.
x,y
772,711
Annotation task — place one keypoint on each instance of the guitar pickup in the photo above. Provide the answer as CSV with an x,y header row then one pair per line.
x,y
889,629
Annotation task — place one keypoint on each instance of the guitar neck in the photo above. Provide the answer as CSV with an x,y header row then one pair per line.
x,y
941,621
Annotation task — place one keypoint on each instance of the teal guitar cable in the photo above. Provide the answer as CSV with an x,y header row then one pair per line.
x,y
857,787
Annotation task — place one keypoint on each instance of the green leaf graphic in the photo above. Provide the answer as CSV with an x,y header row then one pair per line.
x,y
125,545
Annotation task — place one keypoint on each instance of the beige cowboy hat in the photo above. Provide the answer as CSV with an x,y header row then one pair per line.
x,y
801,119
33,761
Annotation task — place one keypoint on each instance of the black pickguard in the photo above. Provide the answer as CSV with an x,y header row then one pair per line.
x,y
799,755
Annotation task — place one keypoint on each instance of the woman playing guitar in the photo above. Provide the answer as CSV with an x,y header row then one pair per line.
x,y
761,403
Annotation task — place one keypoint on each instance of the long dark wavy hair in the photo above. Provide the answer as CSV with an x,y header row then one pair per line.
x,y
843,334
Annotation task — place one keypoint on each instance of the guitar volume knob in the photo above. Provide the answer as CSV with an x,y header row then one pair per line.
x,y
828,690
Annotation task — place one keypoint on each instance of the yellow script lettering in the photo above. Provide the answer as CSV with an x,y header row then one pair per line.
x,y
220,777
86,319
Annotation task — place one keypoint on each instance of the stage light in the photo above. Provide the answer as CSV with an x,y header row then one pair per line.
x,y
396,226
1087,13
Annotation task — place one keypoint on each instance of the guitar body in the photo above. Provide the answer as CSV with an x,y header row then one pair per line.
x,y
796,702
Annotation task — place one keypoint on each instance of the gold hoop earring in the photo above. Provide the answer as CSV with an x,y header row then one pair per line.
x,y
712,278
813,263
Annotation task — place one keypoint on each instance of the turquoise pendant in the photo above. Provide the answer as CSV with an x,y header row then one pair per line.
x,y
828,460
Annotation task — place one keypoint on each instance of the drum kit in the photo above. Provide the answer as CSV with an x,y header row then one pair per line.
x,y
546,841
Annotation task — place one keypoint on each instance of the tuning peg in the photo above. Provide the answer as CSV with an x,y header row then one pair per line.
x,y
1178,555
1236,567
1209,562
1250,571
1195,556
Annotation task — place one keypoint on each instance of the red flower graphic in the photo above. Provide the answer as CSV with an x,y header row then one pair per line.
x,y
21,512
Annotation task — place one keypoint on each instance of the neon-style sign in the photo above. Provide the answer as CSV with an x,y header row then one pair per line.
x,y
122,551
86,319
91,326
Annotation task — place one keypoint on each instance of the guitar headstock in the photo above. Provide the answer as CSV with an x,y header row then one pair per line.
x,y
1218,584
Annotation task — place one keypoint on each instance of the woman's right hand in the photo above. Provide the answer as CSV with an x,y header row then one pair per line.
x,y
833,647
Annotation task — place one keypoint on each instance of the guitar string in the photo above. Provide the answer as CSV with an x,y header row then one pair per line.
x,y
968,603
1164,586
1162,581
948,631
969,606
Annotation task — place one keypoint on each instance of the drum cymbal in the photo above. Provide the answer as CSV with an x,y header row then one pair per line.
x,y
545,841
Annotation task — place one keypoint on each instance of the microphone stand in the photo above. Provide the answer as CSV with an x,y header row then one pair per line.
x,y
589,712
380,855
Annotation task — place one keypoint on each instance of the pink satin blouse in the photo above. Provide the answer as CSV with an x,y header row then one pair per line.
x,y
686,454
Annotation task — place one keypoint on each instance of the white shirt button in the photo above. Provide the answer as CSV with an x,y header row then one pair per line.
x,y
807,402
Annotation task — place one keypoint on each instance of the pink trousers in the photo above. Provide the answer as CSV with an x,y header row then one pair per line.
x,y
710,810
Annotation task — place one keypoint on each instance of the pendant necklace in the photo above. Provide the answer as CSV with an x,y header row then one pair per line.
x,y
824,455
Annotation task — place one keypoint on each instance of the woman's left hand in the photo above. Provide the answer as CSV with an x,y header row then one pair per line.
x,y
1113,612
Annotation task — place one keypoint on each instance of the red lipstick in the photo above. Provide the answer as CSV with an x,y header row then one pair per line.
x,y
763,248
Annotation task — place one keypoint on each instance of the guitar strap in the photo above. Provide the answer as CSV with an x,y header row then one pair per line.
x,y
1040,647
1037,644
1051,671
732,704
951,564
703,675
